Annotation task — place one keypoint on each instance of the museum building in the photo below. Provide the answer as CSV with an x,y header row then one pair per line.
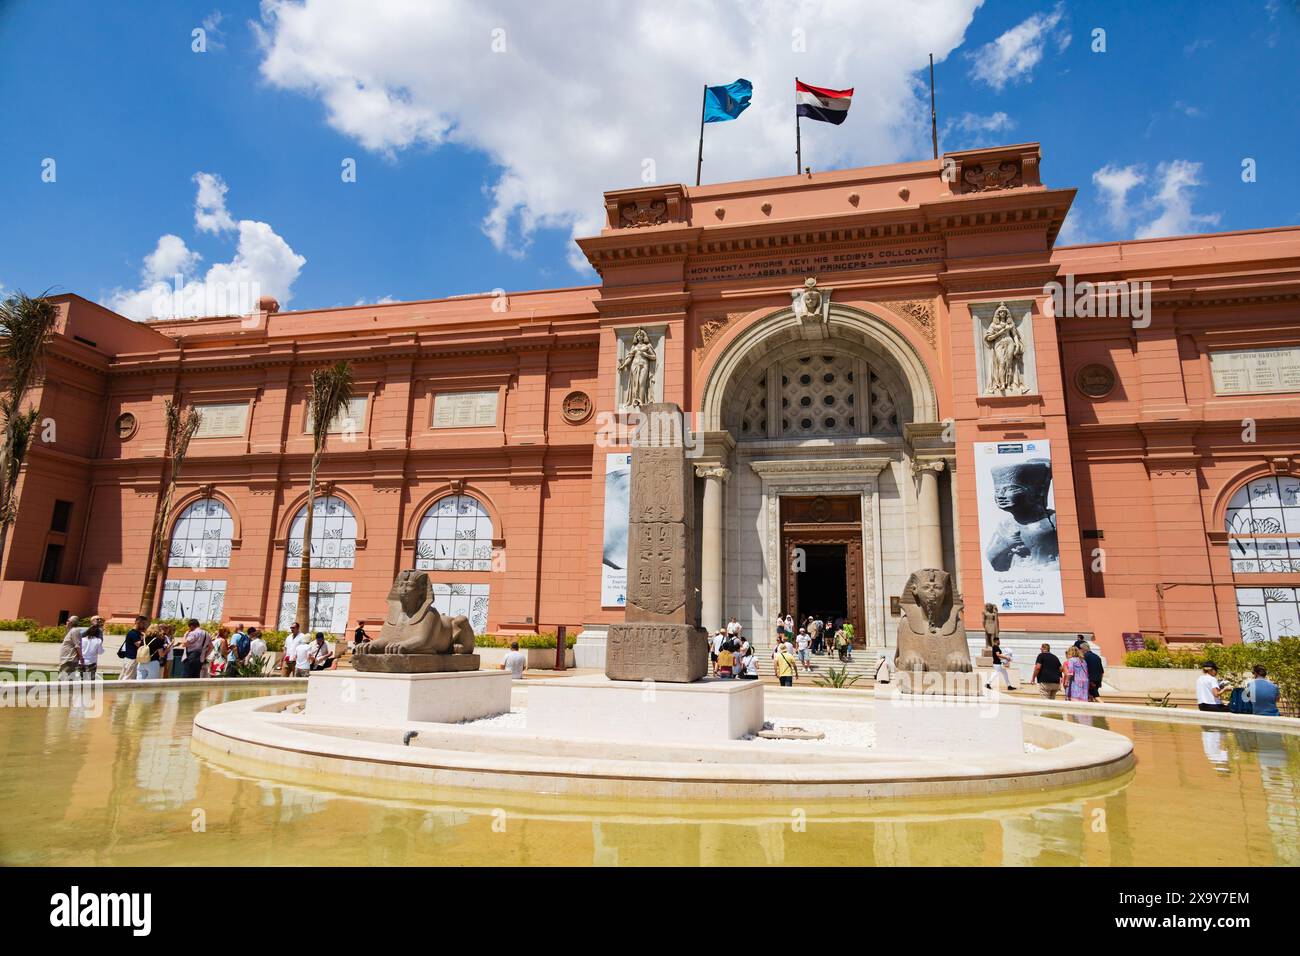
x,y
877,376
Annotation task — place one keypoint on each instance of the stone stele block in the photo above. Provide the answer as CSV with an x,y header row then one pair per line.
x,y
676,653
660,573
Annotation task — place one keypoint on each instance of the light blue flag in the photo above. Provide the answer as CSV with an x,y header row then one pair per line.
x,y
722,103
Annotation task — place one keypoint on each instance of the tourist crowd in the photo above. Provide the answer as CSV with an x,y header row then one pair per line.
x,y
732,655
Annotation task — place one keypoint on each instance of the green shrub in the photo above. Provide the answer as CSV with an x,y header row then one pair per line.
x,y
1163,657
526,641
1281,658
21,624
47,635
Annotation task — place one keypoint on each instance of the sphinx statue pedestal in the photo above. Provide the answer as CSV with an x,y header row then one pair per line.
x,y
415,663
370,698
937,703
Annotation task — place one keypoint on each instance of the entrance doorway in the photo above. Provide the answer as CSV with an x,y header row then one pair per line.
x,y
822,590
822,572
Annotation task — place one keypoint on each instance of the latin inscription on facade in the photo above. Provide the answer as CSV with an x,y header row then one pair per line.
x,y
227,420
465,409
1256,370
783,266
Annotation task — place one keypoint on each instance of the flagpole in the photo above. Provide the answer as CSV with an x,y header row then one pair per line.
x,y
798,145
934,120
699,163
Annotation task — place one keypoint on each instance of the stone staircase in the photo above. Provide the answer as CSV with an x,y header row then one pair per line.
x,y
6,655
863,664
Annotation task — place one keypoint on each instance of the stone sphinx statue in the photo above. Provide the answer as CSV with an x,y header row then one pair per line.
x,y
415,637
931,635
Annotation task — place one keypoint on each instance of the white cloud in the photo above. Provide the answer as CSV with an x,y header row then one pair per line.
x,y
584,94
1188,110
1011,58
212,27
169,257
263,264
386,300
1165,209
1173,202
210,213
973,130
1115,183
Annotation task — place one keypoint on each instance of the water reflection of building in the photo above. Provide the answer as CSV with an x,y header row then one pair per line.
x,y
1279,769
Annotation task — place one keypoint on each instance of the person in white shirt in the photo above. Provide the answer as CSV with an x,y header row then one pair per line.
x,y
302,655
715,649
92,645
733,627
291,642
515,662
1208,689
802,643
256,646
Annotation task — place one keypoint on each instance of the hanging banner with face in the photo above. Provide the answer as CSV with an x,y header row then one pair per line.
x,y
1019,554
618,505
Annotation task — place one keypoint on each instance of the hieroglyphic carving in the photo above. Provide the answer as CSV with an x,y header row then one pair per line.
x,y
658,567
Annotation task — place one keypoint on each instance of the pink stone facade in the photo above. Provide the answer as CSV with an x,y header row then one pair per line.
x,y
1145,472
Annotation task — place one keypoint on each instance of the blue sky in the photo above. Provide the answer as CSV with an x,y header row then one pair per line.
x,y
483,134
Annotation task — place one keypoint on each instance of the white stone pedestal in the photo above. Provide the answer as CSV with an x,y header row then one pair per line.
x,y
377,698
596,707
943,724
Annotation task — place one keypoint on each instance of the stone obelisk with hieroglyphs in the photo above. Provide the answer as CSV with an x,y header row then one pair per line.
x,y
660,638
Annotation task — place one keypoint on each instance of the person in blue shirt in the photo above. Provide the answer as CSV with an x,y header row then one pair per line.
x,y
1262,694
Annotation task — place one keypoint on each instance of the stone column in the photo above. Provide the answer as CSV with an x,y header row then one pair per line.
x,y
928,514
711,546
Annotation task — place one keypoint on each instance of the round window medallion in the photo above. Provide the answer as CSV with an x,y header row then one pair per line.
x,y
820,509
1096,380
576,407
126,425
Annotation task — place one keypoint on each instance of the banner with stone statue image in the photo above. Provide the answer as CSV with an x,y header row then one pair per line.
x,y
613,566
1020,556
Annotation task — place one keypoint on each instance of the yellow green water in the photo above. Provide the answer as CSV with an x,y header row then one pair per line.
x,y
126,788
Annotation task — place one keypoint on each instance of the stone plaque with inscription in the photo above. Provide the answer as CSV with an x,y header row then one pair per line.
x,y
661,638
225,420
1251,371
465,409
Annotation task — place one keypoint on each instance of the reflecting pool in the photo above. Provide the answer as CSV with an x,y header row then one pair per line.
x,y
126,787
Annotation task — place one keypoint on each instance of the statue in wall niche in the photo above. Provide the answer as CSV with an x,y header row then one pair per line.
x,y
931,635
638,368
1026,537
414,626
1006,353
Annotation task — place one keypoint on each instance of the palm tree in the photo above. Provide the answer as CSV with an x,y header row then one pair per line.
x,y
331,391
26,324
180,429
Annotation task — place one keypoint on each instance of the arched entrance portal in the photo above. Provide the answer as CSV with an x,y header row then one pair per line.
x,y
825,479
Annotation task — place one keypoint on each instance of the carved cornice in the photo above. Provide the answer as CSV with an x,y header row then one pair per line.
x,y
869,467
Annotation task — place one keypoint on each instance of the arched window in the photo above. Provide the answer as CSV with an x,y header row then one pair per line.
x,y
1263,525
455,534
333,535
201,536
